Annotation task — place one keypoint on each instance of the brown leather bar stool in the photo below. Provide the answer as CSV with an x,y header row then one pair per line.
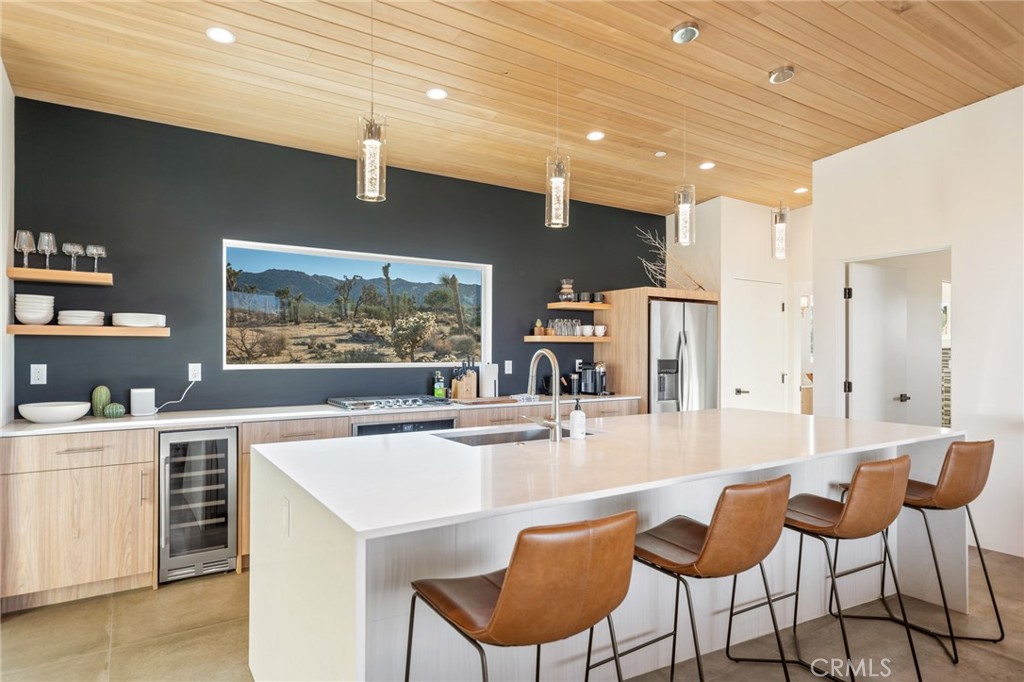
x,y
561,580
962,478
743,531
876,496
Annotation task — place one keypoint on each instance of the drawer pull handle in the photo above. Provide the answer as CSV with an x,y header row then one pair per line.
x,y
501,421
79,451
142,488
307,434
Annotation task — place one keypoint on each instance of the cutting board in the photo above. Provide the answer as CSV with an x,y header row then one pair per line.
x,y
484,401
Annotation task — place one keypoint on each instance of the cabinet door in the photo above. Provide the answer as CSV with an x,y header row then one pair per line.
x,y
76,526
289,430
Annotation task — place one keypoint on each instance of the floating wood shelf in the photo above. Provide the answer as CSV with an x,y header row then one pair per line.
x,y
578,305
102,279
566,339
77,330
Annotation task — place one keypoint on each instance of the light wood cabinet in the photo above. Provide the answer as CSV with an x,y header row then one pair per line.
x,y
79,515
288,430
513,415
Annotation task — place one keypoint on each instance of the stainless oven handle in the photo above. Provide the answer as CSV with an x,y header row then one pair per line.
x,y
164,508
306,434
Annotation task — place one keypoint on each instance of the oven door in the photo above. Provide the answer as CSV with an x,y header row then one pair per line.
x,y
377,428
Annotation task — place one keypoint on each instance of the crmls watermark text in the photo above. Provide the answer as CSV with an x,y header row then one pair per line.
x,y
865,667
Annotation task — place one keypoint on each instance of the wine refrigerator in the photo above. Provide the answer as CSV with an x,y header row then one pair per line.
x,y
198,502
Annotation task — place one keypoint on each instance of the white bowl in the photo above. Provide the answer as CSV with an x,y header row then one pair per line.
x,y
33,317
51,413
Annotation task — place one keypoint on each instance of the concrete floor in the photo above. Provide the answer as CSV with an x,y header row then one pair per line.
x,y
198,630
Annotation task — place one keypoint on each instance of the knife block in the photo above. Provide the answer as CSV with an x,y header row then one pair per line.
x,y
464,387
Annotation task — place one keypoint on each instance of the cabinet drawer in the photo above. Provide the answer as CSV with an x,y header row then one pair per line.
x,y
292,430
76,450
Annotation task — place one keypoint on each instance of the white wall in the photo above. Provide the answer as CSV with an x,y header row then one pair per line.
x,y
6,239
954,181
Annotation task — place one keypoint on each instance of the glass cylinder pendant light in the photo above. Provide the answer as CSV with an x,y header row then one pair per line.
x,y
556,204
371,165
780,218
371,158
686,211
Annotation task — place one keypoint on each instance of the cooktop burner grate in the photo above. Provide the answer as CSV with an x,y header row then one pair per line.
x,y
386,401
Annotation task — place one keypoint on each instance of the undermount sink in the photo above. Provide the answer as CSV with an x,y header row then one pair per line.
x,y
500,437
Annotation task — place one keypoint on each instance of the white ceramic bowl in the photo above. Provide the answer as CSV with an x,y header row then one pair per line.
x,y
33,317
52,413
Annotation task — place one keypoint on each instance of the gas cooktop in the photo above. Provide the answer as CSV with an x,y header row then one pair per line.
x,y
377,402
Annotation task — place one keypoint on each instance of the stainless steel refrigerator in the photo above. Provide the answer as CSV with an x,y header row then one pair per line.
x,y
683,356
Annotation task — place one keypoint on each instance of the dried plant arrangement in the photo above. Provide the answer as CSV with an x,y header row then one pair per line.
x,y
657,269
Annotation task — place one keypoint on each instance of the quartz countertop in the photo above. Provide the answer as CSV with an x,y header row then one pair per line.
x,y
389,484
189,418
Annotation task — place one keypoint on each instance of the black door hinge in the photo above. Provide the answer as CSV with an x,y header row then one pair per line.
x,y
848,292
783,306
847,387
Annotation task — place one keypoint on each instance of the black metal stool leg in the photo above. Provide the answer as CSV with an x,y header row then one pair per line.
x,y
408,648
839,608
771,610
988,581
590,650
903,610
615,649
954,656
537,674
675,635
693,628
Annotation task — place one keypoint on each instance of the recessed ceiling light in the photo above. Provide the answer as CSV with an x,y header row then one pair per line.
x,y
783,74
800,190
660,154
685,33
595,135
707,165
437,93
220,35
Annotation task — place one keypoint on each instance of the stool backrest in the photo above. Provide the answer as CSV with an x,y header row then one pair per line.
x,y
964,473
563,579
876,497
744,528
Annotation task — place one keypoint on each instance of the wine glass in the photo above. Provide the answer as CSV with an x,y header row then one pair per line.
x,y
26,243
73,250
95,251
47,245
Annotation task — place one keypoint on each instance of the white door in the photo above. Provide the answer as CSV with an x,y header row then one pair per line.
x,y
753,347
876,342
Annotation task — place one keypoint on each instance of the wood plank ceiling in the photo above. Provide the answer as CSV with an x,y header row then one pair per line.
x,y
299,73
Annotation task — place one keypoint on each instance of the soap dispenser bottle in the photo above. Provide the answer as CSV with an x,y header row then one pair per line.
x,y
438,384
577,423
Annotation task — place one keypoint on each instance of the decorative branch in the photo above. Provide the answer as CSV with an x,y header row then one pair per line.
x,y
657,270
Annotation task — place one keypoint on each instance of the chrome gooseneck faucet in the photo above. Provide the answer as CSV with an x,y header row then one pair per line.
x,y
555,422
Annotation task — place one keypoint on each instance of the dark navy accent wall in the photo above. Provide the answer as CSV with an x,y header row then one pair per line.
x,y
162,198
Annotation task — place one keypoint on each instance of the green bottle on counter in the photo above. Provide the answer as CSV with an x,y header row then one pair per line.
x,y
438,384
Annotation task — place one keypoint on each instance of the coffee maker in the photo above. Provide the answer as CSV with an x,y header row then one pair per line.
x,y
593,379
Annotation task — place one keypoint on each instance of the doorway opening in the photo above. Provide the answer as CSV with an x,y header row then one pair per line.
x,y
899,343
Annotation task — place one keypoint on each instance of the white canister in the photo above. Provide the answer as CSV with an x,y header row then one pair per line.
x,y
143,402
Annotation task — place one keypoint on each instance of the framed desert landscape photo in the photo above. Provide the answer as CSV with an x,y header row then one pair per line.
x,y
295,306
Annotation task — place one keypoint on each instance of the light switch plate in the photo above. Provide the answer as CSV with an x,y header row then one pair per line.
x,y
37,374
508,367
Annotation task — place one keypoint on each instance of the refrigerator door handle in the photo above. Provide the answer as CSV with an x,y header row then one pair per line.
x,y
680,396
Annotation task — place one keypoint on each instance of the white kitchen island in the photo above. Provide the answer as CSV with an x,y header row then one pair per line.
x,y
340,527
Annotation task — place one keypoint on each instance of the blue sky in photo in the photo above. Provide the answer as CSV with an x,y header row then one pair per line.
x,y
258,260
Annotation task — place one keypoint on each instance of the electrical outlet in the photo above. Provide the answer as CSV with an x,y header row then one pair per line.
x,y
579,365
195,371
37,374
508,367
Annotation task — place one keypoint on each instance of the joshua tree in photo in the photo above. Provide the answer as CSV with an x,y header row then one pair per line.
x,y
438,300
284,300
369,297
298,306
231,277
391,297
452,282
344,289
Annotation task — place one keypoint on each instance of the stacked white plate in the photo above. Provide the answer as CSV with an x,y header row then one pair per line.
x,y
33,308
138,320
89,318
